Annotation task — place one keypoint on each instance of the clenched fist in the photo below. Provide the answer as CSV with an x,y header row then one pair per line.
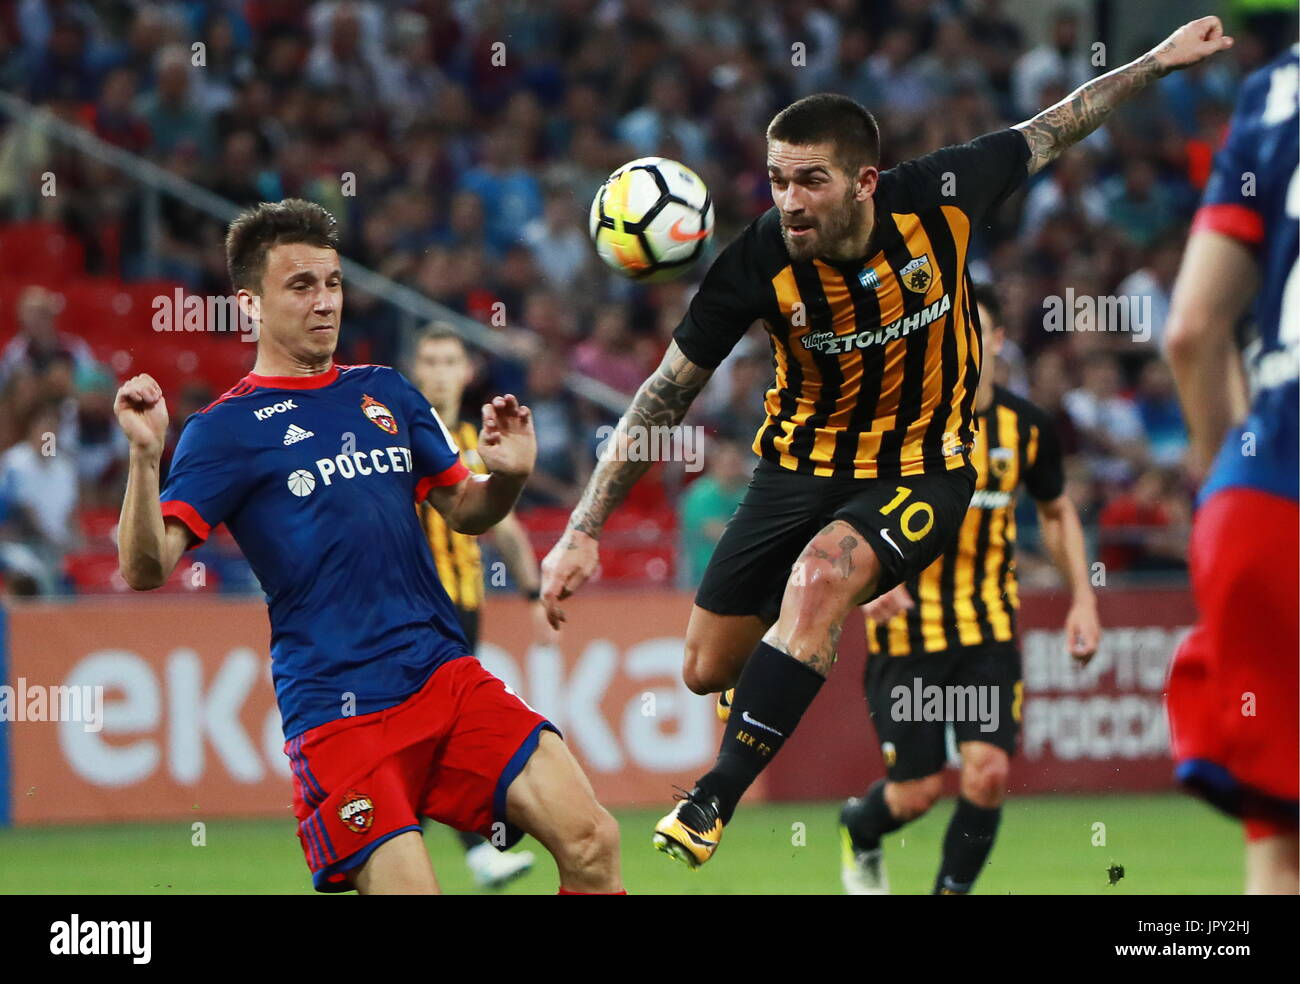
x,y
142,414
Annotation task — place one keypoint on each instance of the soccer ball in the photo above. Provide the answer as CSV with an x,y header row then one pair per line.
x,y
651,219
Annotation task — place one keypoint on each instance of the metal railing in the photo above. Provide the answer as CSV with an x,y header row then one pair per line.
x,y
154,182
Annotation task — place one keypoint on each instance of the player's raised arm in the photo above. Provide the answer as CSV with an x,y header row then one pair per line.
x,y
662,401
508,447
148,548
1087,107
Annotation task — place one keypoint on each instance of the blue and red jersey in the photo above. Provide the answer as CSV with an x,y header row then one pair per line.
x,y
1253,196
315,478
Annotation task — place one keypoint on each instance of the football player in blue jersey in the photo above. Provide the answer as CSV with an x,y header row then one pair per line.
x,y
314,468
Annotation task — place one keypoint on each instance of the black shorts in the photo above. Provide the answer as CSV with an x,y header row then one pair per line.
x,y
469,619
978,693
907,522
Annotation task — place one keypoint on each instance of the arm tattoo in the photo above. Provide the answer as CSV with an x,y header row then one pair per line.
x,y
662,401
1083,110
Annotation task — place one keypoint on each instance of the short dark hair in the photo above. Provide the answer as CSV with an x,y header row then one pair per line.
x,y
441,331
987,295
826,117
255,230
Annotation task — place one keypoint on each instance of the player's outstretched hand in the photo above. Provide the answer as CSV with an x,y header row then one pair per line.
x,y
1083,631
1191,43
507,443
566,567
142,413
893,602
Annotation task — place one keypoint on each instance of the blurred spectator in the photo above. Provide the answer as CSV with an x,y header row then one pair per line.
x,y
1067,189
707,505
662,126
510,195
1108,421
39,340
1062,60
1162,418
558,241
735,407
562,464
904,90
114,118
38,485
1152,284
1146,528
1138,204
606,354
170,110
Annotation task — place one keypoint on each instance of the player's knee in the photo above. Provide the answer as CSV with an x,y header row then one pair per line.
x,y
913,798
592,846
811,596
700,671
984,777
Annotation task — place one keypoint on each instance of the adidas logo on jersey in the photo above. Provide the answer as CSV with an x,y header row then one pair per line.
x,y
295,434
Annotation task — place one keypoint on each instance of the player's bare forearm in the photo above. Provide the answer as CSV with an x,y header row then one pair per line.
x,y
1062,535
142,532
1215,284
482,501
1061,126
662,401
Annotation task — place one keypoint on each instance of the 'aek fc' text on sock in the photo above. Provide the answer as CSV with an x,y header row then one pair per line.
x,y
771,696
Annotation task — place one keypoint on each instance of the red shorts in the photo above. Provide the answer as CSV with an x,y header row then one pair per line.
x,y
448,752
1232,691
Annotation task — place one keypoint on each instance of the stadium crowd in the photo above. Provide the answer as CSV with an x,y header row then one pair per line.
x,y
460,144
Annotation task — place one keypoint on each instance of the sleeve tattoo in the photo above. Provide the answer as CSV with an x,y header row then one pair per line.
x,y
1083,110
662,401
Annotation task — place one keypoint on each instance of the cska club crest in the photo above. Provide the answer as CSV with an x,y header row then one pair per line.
x,y
357,811
916,275
379,415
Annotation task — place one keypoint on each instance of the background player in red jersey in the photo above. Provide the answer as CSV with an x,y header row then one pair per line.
x,y
1232,691
356,608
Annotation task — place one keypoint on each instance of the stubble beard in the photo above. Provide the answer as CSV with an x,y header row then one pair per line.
x,y
831,233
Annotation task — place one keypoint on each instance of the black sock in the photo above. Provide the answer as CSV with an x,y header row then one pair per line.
x,y
772,693
869,819
469,841
966,846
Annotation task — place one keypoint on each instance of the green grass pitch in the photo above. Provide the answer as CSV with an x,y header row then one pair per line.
x,y
1167,845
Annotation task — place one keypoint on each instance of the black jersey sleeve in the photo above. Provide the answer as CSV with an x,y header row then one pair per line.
x,y
975,176
731,298
1044,476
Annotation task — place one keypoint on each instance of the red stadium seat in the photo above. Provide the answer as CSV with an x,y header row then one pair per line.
x,y
98,526
96,573
40,252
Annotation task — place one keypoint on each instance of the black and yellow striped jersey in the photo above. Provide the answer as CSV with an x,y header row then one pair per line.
x,y
457,555
876,360
969,596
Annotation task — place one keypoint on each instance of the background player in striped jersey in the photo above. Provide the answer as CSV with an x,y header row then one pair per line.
x,y
859,277
1232,694
441,369
954,625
